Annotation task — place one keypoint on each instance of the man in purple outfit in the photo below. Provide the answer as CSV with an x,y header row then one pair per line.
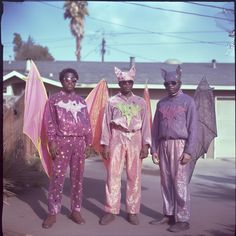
x,y
173,142
69,137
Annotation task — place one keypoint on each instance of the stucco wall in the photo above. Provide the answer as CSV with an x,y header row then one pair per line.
x,y
155,95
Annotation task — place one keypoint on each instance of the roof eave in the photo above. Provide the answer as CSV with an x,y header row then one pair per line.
x,y
136,86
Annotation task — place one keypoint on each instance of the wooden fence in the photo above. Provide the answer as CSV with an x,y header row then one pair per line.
x,y
13,137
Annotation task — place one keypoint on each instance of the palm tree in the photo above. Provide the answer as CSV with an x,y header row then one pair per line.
x,y
76,12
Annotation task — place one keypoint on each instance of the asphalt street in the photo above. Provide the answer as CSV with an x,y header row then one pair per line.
x,y
212,204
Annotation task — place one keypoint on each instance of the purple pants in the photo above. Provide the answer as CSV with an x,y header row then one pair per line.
x,y
71,153
174,180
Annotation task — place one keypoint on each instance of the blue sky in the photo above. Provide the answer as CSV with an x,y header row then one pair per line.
x,y
150,32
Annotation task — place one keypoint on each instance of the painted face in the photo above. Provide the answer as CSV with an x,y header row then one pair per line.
x,y
69,82
172,86
126,86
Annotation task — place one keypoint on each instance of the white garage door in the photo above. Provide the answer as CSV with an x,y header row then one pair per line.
x,y
225,117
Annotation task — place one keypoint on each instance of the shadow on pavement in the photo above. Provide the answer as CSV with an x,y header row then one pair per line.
x,y
215,187
227,179
229,228
93,192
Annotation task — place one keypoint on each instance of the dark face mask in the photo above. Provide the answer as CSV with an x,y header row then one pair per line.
x,y
172,87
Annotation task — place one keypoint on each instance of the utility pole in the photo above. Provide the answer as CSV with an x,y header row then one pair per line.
x,y
103,50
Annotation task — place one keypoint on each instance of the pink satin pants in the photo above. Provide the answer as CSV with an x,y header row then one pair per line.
x,y
71,154
124,147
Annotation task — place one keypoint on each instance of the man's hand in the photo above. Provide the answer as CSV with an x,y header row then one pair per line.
x,y
185,158
88,151
155,158
105,152
144,151
53,150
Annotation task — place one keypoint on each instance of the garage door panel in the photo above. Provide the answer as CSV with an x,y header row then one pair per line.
x,y
225,141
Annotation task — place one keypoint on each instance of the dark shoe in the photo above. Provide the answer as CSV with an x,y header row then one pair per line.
x,y
49,221
170,220
107,219
133,219
77,218
179,226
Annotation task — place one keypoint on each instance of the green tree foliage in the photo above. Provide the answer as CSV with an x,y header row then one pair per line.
x,y
76,12
17,41
25,50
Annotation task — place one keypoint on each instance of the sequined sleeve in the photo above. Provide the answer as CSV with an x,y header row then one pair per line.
x,y
191,121
146,129
106,131
155,132
88,136
49,121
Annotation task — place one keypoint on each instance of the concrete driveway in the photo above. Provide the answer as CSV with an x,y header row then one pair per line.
x,y
212,202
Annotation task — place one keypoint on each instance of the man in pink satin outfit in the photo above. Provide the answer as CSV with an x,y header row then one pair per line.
x,y
174,136
126,138
69,137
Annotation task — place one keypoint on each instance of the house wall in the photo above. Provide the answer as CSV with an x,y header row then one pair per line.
x,y
225,142
18,88
222,146
14,87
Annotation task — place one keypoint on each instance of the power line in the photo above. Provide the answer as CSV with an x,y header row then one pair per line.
x,y
205,5
144,30
45,3
163,9
183,12
48,40
165,32
195,3
108,22
145,44
93,50
166,43
135,28
128,53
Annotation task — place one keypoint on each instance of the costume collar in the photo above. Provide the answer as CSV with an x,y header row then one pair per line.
x,y
176,94
124,97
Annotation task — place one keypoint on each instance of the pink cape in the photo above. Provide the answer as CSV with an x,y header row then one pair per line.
x,y
35,100
96,101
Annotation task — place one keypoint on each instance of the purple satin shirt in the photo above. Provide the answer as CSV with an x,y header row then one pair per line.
x,y
67,115
175,118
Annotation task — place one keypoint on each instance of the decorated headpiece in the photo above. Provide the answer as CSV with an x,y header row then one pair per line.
x,y
173,75
125,75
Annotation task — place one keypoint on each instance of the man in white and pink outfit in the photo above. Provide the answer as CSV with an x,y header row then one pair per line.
x,y
126,138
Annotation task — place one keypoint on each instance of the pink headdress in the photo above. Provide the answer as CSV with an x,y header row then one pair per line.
x,y
125,76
